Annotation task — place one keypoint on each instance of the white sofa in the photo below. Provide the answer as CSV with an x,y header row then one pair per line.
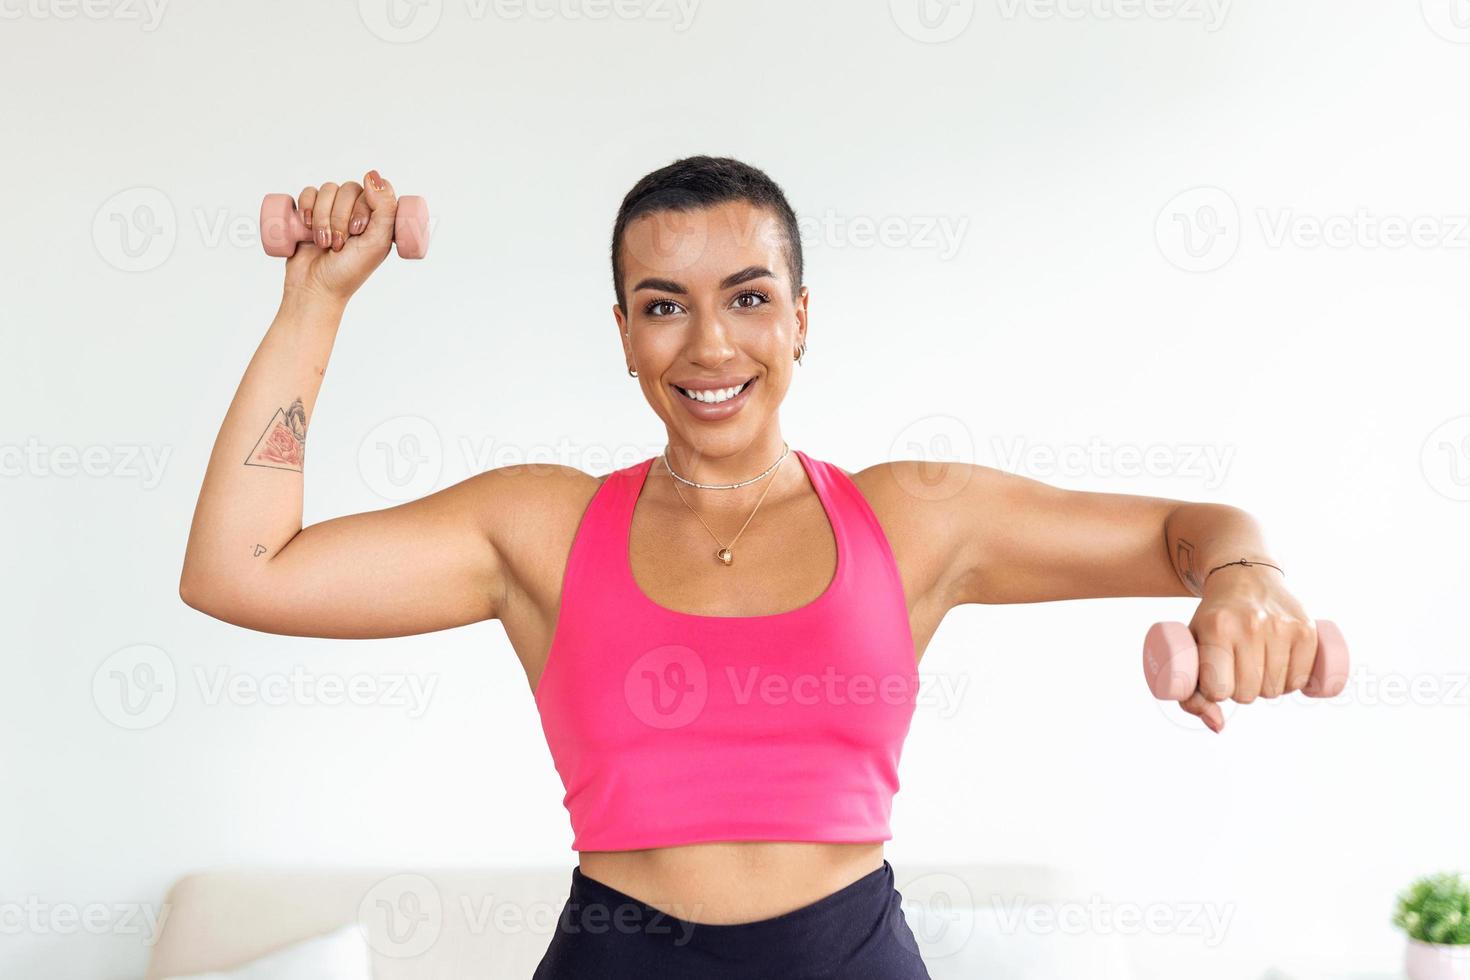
x,y
497,922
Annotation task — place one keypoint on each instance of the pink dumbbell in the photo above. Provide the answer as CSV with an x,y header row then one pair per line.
x,y
281,226
1171,662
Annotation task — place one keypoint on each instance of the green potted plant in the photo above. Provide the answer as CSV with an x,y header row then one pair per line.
x,y
1435,913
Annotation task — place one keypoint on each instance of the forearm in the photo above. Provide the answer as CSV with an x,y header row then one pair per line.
x,y
1201,537
250,504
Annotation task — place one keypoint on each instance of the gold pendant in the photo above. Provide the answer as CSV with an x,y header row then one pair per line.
x,y
725,555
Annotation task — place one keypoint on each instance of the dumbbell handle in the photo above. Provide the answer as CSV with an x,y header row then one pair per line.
x,y
281,227
1171,662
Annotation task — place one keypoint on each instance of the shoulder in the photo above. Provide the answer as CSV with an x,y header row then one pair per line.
x,y
925,485
525,502
937,508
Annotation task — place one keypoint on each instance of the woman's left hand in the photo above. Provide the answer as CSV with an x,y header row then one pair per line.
x,y
1254,638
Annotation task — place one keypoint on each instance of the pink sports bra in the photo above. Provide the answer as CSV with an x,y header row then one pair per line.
x,y
670,728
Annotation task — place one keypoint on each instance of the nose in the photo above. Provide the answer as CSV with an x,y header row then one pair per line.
x,y
709,341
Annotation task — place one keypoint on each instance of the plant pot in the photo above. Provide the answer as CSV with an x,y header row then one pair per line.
x,y
1432,961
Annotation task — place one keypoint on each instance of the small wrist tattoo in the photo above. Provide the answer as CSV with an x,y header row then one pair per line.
x,y
1184,565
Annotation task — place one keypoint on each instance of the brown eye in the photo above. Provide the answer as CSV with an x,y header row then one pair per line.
x,y
661,307
740,301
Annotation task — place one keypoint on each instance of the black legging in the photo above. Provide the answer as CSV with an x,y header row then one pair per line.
x,y
856,933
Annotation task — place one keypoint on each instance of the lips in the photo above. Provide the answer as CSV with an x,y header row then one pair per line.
x,y
715,411
713,393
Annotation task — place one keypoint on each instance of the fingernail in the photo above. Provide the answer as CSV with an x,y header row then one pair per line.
x,y
356,226
377,179
323,237
337,240
1212,725
306,217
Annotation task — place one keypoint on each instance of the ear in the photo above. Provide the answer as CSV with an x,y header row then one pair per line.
x,y
622,324
802,315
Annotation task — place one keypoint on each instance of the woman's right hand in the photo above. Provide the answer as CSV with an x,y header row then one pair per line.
x,y
352,226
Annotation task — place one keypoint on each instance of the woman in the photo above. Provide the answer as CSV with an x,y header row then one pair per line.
x,y
722,640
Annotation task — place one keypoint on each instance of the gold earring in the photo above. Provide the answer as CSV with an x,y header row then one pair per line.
x,y
799,352
632,373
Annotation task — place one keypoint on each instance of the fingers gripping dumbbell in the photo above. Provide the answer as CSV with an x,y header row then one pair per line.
x,y
1171,662
281,227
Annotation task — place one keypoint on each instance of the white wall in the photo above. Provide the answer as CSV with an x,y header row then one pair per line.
x,y
1053,143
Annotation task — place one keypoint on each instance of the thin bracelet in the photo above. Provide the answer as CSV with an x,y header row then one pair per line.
x,y
1239,561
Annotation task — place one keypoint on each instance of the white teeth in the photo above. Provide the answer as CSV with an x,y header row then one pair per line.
x,y
712,396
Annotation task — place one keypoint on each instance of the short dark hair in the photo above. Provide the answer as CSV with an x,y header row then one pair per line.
x,y
700,182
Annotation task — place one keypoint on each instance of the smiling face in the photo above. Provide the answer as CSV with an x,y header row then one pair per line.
x,y
712,326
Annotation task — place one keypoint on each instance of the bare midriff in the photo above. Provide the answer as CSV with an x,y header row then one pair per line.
x,y
731,882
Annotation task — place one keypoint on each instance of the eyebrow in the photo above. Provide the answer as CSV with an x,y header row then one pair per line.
x,y
735,279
